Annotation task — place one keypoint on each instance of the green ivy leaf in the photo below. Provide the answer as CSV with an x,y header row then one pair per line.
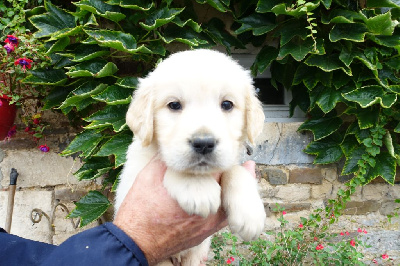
x,y
86,52
53,77
327,63
290,29
385,167
100,8
341,16
325,97
367,117
118,40
327,151
381,24
54,22
264,6
369,95
297,48
351,163
94,68
382,3
128,82
117,146
353,32
183,35
113,115
141,5
93,168
215,28
115,94
90,207
263,59
259,24
59,45
85,142
220,5
322,127
82,94
160,17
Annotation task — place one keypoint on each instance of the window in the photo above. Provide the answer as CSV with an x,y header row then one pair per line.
x,y
275,101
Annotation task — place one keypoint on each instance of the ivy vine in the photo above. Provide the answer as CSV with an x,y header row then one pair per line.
x,y
339,58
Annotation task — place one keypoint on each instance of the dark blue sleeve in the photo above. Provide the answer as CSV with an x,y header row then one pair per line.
x,y
103,245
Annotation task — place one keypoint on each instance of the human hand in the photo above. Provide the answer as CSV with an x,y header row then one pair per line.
x,y
157,223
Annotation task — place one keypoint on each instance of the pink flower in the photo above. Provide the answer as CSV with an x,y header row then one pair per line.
x,y
319,247
347,233
352,243
365,231
11,39
359,230
228,261
9,48
283,212
301,225
385,256
375,261
24,62
341,233
44,148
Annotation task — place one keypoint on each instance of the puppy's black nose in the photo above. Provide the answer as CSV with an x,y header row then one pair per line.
x,y
203,144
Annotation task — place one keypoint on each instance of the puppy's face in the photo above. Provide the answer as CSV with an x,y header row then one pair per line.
x,y
198,107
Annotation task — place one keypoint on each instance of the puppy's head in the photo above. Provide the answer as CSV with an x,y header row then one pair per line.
x,y
198,107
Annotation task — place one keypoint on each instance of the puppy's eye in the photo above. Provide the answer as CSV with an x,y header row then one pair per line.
x,y
175,106
226,105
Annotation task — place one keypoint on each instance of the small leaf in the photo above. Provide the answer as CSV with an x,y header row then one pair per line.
x,y
160,17
327,63
351,163
381,24
263,59
385,167
94,68
90,207
100,8
115,94
82,94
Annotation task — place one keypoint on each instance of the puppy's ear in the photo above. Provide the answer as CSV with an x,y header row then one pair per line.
x,y
254,115
139,117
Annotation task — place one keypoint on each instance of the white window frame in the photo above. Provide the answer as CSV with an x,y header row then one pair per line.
x,y
273,112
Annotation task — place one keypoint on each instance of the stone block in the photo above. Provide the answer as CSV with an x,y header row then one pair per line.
x,y
376,191
330,174
275,176
282,144
389,208
322,191
289,207
361,207
24,203
38,169
293,193
305,176
265,189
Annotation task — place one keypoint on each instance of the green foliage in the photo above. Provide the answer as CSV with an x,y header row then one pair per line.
x,y
308,244
340,59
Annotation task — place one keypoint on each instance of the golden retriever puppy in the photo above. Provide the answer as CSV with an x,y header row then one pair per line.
x,y
196,110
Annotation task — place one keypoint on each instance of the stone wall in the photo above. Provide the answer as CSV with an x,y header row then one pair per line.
x,y
287,176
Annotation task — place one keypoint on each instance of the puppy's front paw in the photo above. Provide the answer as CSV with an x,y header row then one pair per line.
x,y
245,209
246,216
196,195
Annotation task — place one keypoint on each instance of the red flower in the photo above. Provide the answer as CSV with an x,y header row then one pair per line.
x,y
365,231
375,261
36,121
228,261
301,225
24,62
44,148
347,233
27,129
11,39
341,233
385,256
315,238
283,213
359,230
9,47
319,247
353,243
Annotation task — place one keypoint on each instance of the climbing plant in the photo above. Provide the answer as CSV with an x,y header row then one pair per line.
x,y
339,58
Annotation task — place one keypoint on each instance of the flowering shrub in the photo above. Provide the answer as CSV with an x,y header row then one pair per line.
x,y
21,52
309,243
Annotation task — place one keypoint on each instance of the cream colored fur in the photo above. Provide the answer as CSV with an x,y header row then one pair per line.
x,y
200,80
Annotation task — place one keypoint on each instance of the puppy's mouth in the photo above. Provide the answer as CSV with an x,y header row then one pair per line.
x,y
203,164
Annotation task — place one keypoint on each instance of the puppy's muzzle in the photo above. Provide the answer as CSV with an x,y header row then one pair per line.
x,y
203,143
